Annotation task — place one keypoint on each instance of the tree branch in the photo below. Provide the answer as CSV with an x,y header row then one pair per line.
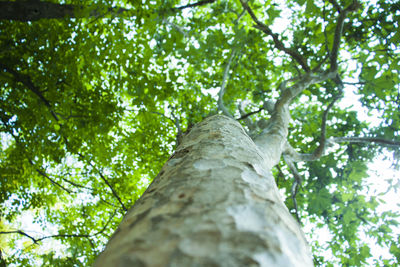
x,y
221,106
21,233
35,10
339,30
27,81
296,184
200,3
47,177
294,156
322,140
42,173
36,240
175,121
245,116
278,43
105,181
376,140
248,122
289,93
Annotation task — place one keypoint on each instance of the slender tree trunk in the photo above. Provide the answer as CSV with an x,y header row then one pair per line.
x,y
214,203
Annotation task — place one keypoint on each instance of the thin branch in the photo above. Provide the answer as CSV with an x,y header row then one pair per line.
x,y
19,232
175,121
322,140
36,240
356,83
200,3
296,184
278,43
245,116
47,177
81,235
42,173
76,185
112,188
339,31
320,150
280,174
221,92
294,191
27,81
376,140
105,181
248,122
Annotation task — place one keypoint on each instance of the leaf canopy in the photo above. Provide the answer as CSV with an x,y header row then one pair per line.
x,y
91,106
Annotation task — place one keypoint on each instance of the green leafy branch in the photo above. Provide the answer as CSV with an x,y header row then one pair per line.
x,y
27,81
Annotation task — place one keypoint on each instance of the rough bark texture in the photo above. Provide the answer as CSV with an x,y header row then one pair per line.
x,y
214,203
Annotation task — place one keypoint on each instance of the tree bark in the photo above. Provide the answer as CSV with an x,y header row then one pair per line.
x,y
36,10
214,203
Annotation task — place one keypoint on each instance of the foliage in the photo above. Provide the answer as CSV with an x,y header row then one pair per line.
x,y
89,110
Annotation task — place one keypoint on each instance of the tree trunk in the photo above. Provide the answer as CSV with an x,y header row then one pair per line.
x,y
214,203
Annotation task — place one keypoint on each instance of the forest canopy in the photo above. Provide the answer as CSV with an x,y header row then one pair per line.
x,y
96,95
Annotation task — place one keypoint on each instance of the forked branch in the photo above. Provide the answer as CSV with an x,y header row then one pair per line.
x,y
320,150
278,43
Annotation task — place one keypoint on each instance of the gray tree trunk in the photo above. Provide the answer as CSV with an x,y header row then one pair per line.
x,y
214,203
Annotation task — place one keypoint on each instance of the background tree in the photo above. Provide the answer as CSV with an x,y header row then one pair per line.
x,y
92,105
